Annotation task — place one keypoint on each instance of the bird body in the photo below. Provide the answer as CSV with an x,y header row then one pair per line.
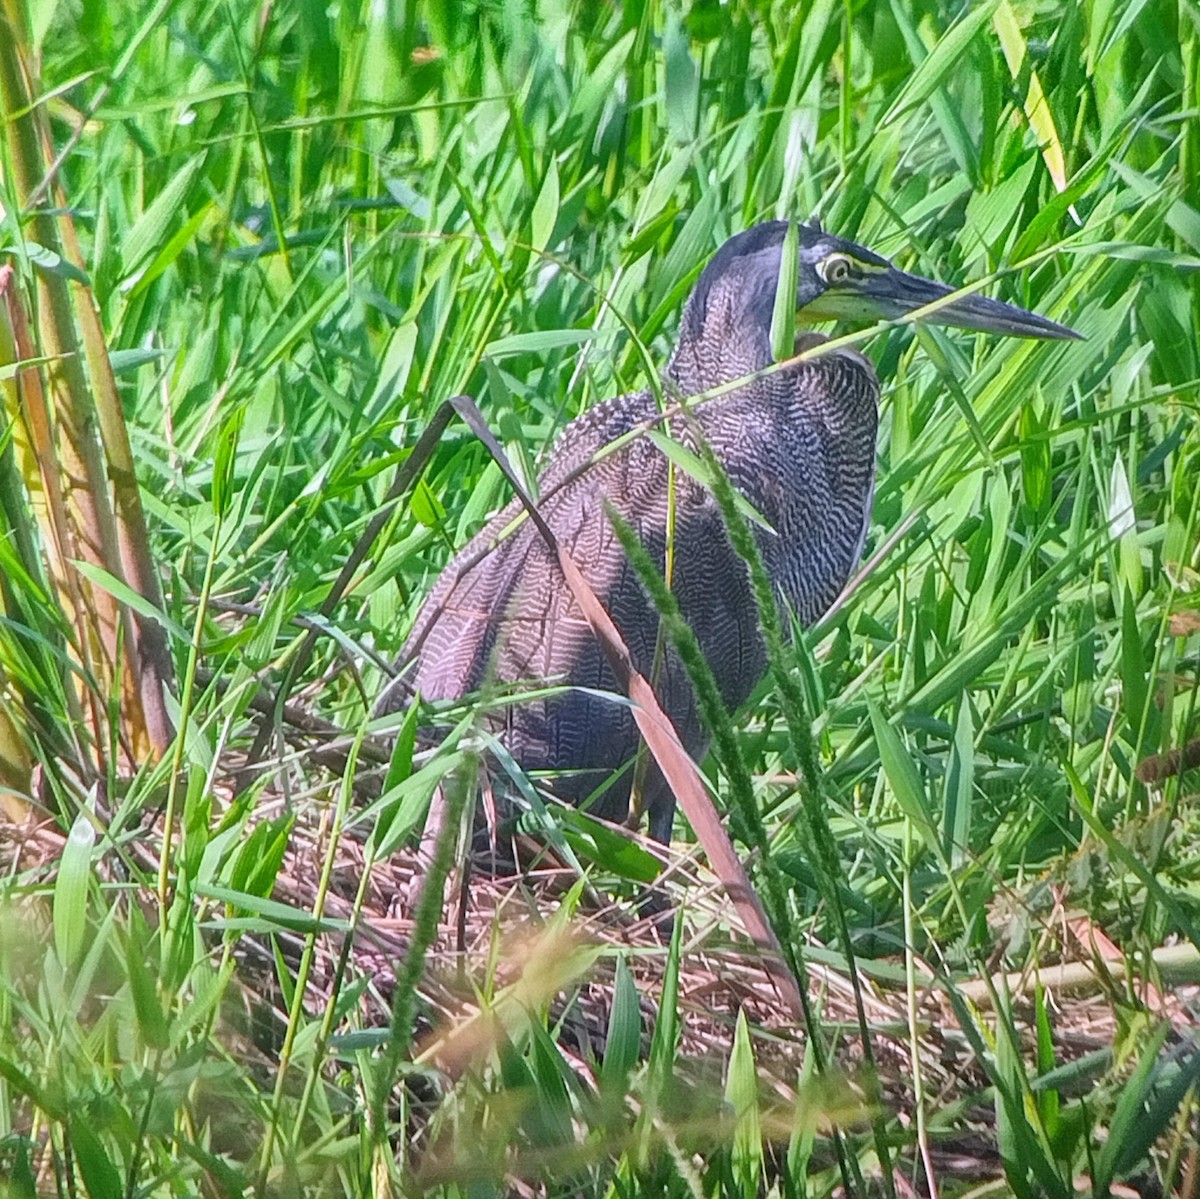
x,y
798,442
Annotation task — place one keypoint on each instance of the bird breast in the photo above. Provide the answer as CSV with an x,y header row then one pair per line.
x,y
799,443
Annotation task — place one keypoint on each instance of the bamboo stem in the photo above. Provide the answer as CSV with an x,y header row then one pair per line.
x,y
152,655
82,447
30,419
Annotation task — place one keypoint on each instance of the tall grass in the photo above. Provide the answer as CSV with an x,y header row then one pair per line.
x,y
305,227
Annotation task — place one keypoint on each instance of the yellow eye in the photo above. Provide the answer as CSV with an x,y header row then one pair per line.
x,y
837,268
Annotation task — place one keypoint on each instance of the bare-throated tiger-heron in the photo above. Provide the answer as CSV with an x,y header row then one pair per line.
x,y
797,442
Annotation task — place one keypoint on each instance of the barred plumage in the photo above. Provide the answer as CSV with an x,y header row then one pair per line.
x,y
798,443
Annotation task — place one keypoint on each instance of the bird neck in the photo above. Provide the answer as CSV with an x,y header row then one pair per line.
x,y
700,366
724,335
799,444
727,349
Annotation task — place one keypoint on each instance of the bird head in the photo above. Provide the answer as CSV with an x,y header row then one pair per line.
x,y
839,280
732,304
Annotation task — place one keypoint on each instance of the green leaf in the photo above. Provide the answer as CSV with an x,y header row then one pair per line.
x,y
1178,908
71,890
545,209
1130,1111
399,769
597,89
1145,1117
741,1093
425,505
681,82
41,20
400,766
12,369
47,260
401,809
941,62
1035,459
1047,1097
665,1040
151,1019
1132,10
903,778
273,913
689,247
553,1104
947,113
392,376
1134,673
1014,1135
538,343
100,1176
124,594
148,231
257,864
1122,524
959,790
624,1041
783,315
613,851
225,460
46,1098
804,1127
126,362
171,251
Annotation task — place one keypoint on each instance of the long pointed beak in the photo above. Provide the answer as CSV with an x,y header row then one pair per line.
x,y
891,293
903,293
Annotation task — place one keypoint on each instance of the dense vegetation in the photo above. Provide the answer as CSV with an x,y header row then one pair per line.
x,y
305,226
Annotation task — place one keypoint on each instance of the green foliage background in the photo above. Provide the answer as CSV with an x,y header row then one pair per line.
x,y
308,224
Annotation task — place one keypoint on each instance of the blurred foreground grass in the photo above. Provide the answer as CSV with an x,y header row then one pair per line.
x,y
305,226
